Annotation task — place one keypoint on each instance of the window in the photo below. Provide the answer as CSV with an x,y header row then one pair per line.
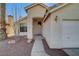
x,y
23,28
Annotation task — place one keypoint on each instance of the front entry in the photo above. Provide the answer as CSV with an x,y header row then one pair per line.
x,y
37,27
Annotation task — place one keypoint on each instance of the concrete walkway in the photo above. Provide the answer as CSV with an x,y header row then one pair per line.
x,y
38,49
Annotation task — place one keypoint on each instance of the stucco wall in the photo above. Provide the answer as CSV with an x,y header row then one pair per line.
x,y
29,27
37,11
46,30
54,40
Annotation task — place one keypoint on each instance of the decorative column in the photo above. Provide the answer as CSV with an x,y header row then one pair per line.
x,y
17,26
29,29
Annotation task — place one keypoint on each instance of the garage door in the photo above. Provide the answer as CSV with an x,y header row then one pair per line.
x,y
70,33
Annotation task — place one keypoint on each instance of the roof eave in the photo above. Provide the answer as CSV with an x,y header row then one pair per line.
x,y
54,10
21,19
46,7
58,7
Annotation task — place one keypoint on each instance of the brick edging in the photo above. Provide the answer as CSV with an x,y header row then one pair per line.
x,y
53,52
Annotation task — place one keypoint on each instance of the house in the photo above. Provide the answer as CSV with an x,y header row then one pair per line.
x,y
36,13
21,26
59,25
9,25
10,29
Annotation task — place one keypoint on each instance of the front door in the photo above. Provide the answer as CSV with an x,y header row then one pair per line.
x,y
37,27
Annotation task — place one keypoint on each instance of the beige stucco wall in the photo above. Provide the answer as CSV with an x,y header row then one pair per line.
x,y
54,36
37,11
29,27
47,30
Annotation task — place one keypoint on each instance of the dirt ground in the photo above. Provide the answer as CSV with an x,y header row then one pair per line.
x,y
20,47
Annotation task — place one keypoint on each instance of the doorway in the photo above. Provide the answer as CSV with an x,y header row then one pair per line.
x,y
37,26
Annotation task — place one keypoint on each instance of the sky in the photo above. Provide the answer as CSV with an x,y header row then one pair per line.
x,y
11,7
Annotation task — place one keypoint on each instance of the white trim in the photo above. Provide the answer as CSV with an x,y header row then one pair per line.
x,y
22,33
57,7
26,8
